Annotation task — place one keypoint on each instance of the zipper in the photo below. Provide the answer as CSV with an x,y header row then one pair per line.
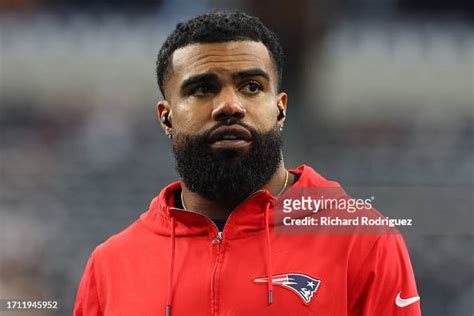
x,y
218,238
214,277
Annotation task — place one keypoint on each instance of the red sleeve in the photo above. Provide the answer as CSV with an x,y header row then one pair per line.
x,y
385,284
87,299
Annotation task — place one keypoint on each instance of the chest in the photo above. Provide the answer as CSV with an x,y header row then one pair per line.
x,y
230,277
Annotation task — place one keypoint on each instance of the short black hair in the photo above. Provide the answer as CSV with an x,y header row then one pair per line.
x,y
218,26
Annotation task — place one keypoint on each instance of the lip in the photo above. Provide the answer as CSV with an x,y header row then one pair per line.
x,y
230,144
244,137
236,130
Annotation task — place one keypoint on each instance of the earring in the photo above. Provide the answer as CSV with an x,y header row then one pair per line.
x,y
168,134
281,128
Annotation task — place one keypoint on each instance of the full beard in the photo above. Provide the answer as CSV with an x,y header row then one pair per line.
x,y
227,176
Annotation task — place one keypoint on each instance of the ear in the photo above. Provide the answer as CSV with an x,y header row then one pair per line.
x,y
282,102
163,111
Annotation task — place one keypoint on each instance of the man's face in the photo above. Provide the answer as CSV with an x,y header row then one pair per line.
x,y
222,107
211,82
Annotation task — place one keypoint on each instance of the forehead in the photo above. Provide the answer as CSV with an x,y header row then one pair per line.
x,y
221,57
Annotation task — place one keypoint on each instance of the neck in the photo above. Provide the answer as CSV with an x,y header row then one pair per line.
x,y
215,210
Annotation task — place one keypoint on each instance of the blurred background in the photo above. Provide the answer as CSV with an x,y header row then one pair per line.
x,y
381,95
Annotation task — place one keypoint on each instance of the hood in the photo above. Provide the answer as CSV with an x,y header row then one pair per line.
x,y
247,217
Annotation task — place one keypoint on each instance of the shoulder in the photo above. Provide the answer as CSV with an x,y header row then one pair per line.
x,y
123,242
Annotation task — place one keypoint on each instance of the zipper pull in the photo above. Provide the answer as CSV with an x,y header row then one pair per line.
x,y
218,238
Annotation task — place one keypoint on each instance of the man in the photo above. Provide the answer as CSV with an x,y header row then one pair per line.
x,y
207,245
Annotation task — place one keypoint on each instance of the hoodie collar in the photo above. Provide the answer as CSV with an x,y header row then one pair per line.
x,y
245,219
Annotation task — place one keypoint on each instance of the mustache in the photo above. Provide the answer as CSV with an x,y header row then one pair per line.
x,y
205,135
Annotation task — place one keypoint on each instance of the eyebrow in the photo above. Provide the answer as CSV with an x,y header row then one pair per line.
x,y
254,72
206,77
209,77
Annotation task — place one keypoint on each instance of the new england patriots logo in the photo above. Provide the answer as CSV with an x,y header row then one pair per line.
x,y
303,285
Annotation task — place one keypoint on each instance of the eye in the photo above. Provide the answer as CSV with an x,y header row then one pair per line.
x,y
251,87
202,90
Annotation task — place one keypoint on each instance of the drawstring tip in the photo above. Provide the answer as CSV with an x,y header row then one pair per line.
x,y
270,297
168,310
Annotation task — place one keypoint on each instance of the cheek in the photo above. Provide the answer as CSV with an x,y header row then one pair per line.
x,y
188,120
264,119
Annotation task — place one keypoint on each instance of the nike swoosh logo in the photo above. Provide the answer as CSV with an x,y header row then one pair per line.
x,y
403,302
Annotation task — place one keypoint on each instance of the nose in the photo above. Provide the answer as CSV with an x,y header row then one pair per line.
x,y
227,106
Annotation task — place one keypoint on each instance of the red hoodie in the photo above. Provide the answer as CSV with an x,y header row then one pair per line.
x,y
176,258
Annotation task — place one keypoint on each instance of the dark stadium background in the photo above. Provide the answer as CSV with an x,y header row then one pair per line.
x,y
381,95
